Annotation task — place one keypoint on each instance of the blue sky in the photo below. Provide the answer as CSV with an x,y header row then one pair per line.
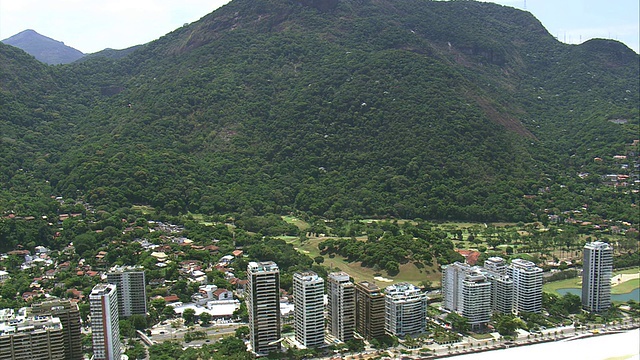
x,y
92,25
576,21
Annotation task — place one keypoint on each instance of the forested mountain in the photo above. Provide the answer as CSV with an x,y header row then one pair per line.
x,y
343,108
43,48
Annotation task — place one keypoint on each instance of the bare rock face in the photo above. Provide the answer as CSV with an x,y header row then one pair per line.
x,y
322,5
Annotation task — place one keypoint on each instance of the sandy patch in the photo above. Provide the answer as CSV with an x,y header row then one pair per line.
x,y
383,279
620,278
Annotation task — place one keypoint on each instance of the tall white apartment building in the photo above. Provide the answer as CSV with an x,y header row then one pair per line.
x,y
467,291
527,286
105,326
263,305
405,309
452,277
597,268
132,293
496,264
476,299
341,307
308,297
495,269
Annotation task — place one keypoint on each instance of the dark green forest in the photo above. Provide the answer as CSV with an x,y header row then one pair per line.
x,y
407,109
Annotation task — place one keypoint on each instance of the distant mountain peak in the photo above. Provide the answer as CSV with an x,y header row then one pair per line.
x,y
43,48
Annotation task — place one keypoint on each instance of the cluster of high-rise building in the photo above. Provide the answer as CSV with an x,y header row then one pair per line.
x,y
350,308
477,292
51,330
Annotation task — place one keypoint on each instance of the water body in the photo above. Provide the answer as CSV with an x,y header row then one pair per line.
x,y
624,345
633,295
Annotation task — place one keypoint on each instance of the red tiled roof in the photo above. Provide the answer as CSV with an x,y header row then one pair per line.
x,y
171,298
219,292
471,256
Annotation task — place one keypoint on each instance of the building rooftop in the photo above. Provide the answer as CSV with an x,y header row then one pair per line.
x,y
265,266
598,245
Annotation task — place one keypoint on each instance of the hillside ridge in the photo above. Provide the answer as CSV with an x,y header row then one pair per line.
x,y
439,110
43,48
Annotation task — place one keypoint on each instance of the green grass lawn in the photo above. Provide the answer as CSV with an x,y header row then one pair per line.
x,y
635,270
576,283
301,224
481,336
143,209
626,287
408,272
552,287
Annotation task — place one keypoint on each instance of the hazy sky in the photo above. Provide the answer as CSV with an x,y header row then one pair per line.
x,y
92,25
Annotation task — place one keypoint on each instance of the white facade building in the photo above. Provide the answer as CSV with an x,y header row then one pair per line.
x,y
476,299
496,264
308,297
495,269
131,287
597,266
405,309
452,277
263,300
105,326
527,286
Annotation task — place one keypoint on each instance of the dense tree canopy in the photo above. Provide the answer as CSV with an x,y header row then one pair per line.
x,y
387,108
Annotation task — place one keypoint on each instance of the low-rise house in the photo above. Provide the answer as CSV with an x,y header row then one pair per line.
x,y
222,294
237,253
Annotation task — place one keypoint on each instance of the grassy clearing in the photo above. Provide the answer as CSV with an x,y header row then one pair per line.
x,y
552,287
576,283
301,224
626,287
635,270
408,272
143,209
481,336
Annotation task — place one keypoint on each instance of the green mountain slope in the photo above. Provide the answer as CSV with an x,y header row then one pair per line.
x,y
337,108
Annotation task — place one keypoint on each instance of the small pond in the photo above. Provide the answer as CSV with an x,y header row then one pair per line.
x,y
635,294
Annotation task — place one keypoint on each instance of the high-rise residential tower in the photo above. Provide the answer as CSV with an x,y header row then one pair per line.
x,y
476,299
369,310
105,326
452,277
69,316
341,307
467,291
496,264
263,305
308,297
597,268
132,293
495,269
527,286
405,309
32,338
